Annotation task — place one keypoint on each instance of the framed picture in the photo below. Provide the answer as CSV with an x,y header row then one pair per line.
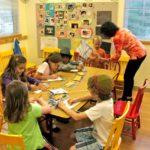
x,y
61,34
49,30
86,32
71,6
74,24
61,14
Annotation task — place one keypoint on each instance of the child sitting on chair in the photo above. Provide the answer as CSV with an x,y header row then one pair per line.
x,y
102,116
49,67
98,56
67,64
22,116
16,70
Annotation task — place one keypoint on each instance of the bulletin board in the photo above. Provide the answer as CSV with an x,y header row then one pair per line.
x,y
64,23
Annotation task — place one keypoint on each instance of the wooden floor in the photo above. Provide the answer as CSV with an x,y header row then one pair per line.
x,y
64,139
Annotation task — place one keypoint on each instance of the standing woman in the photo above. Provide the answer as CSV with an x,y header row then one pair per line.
x,y
124,40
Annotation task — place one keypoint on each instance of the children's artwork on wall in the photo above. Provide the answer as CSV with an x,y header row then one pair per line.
x,y
60,14
71,34
61,34
47,20
73,20
83,13
49,30
70,6
86,32
84,5
48,41
74,24
41,7
50,9
61,6
90,5
52,22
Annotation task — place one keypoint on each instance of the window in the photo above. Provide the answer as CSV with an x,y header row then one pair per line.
x,y
137,18
8,17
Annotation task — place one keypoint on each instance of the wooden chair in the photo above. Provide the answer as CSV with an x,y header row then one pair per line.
x,y
12,141
48,50
123,63
133,116
115,67
114,140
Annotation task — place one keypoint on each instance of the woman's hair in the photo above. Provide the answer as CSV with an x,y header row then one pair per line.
x,y
14,61
53,57
17,104
101,85
109,29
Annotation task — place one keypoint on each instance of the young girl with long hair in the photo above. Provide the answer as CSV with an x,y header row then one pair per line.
x,y
22,116
16,70
49,67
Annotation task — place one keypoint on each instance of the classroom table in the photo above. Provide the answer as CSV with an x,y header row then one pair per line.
x,y
77,90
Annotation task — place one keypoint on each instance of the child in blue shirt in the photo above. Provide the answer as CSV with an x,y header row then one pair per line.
x,y
67,64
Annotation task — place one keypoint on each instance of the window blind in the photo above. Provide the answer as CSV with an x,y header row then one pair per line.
x,y
8,17
137,17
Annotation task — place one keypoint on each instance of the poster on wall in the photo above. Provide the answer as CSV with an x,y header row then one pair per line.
x,y
48,41
103,16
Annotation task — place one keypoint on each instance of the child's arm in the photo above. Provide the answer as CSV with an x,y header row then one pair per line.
x,y
83,98
45,77
45,106
72,113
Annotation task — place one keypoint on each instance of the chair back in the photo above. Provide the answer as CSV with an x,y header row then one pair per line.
x,y
12,141
48,50
1,109
115,67
114,140
4,59
138,100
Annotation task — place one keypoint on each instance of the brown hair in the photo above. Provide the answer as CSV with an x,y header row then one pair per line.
x,y
54,57
101,85
17,104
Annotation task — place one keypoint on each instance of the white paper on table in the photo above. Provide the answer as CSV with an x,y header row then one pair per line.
x,y
58,91
57,79
74,70
38,91
68,105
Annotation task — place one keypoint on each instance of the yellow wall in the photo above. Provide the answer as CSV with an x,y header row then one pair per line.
x,y
27,23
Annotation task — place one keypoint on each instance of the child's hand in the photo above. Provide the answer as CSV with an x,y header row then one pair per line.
x,y
80,67
61,104
42,87
71,101
53,76
32,99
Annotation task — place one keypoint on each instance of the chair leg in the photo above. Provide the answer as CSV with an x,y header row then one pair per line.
x,y
114,92
138,122
133,129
